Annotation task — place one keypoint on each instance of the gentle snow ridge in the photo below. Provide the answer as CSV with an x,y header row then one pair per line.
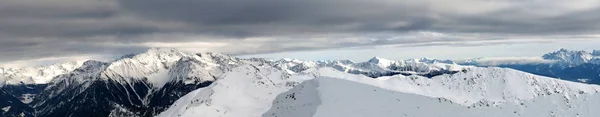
x,y
476,84
334,97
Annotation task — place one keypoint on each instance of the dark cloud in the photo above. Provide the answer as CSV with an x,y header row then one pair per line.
x,y
275,17
24,50
513,21
313,16
36,28
248,18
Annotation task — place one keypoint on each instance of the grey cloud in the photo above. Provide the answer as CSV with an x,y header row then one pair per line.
x,y
36,28
520,22
13,50
69,18
276,17
249,18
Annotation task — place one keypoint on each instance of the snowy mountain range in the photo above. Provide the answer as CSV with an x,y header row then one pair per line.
x,y
168,82
376,67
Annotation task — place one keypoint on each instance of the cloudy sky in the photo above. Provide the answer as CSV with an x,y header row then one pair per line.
x,y
36,32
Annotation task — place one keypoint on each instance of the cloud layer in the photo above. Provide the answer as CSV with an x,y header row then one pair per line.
x,y
34,29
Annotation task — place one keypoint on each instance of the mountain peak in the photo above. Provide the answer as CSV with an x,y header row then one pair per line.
x,y
434,61
163,55
163,51
569,57
381,61
291,60
377,60
563,50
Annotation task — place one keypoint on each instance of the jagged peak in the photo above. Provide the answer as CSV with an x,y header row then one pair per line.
x,y
214,54
92,63
163,50
126,56
190,70
567,51
290,60
164,56
435,61
342,61
154,52
570,57
381,61
596,53
287,59
161,65
427,58
161,53
564,51
377,59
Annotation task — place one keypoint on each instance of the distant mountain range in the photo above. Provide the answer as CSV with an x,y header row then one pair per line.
x,y
168,82
578,66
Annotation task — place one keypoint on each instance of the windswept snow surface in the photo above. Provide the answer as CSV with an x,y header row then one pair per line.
x,y
334,97
328,92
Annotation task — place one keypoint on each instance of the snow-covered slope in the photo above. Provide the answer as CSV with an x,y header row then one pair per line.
x,y
334,97
245,91
249,90
472,85
35,75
